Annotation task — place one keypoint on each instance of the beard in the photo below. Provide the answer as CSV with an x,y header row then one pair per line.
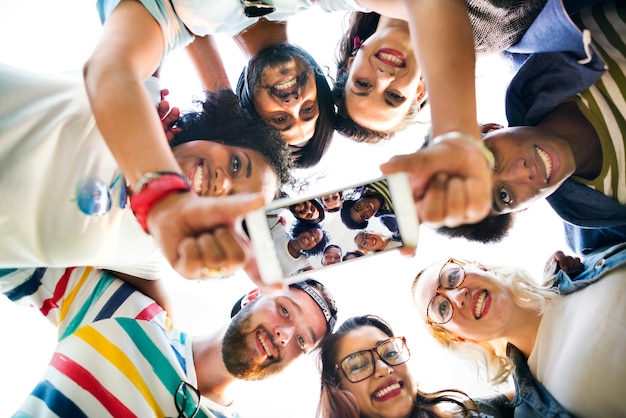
x,y
235,353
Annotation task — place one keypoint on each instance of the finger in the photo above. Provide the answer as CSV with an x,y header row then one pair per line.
x,y
409,164
407,251
172,117
211,255
188,262
477,198
455,204
209,212
163,108
232,248
164,92
431,208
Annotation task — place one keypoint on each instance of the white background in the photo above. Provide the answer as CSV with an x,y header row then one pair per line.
x,y
58,36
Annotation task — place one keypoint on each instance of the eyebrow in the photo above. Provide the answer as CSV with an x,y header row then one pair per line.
x,y
249,168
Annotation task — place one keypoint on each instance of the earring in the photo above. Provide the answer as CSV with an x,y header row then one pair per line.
x,y
356,44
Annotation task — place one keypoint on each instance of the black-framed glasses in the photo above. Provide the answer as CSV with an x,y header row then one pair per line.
x,y
187,400
360,365
257,8
451,276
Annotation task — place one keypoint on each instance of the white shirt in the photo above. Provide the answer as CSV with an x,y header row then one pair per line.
x,y
580,351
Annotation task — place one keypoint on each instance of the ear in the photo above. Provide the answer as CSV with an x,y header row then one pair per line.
x,y
485,128
421,91
348,65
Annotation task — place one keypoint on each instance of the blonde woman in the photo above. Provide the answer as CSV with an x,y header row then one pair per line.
x,y
564,342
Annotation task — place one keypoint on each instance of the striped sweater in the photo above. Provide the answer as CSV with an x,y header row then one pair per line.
x,y
117,354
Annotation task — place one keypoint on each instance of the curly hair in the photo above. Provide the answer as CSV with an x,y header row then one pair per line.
x,y
336,402
223,119
311,153
490,230
302,226
362,25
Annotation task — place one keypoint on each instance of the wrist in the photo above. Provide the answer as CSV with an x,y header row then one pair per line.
x,y
151,189
468,138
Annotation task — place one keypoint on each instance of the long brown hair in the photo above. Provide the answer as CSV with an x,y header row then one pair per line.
x,y
360,27
336,402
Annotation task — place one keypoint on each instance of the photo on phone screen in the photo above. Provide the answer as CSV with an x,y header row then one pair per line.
x,y
295,237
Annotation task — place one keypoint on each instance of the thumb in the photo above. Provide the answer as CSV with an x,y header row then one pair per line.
x,y
209,212
419,166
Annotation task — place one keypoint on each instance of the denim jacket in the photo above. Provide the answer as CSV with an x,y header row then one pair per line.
x,y
555,61
532,399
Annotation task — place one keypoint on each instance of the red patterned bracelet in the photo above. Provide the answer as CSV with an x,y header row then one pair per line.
x,y
153,187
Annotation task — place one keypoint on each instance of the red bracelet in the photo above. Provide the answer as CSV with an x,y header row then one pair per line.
x,y
159,185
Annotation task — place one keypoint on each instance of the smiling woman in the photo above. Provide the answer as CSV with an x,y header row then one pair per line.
x,y
30,339
285,86
364,374
470,304
379,88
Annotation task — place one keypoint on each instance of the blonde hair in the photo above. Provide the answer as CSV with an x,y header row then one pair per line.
x,y
491,355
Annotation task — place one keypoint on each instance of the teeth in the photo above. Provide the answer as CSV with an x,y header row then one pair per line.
x,y
197,179
267,349
287,84
480,304
392,58
386,390
546,161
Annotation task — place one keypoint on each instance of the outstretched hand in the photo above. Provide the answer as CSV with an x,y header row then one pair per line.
x,y
451,182
202,236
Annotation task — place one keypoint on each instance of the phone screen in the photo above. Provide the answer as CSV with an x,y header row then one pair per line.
x,y
338,226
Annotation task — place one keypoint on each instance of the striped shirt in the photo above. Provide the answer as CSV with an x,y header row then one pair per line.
x,y
381,187
117,354
604,103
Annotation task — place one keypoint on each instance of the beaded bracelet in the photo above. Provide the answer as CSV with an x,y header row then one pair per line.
x,y
153,187
491,162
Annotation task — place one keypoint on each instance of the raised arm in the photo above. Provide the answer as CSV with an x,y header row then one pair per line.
x,y
128,52
442,38
184,225
206,58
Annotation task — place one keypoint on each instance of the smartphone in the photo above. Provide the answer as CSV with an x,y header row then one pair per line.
x,y
372,217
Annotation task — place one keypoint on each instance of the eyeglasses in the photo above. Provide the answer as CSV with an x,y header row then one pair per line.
x,y
257,8
362,240
187,398
440,308
95,197
360,365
